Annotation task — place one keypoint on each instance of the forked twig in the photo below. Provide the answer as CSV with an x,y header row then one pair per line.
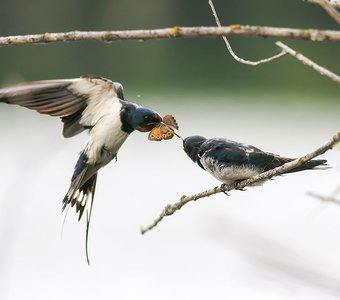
x,y
231,51
284,50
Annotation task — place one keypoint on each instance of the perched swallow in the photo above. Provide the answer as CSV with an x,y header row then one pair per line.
x,y
86,103
230,161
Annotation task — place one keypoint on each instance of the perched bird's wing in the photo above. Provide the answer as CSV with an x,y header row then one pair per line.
x,y
311,164
226,153
76,101
229,161
229,153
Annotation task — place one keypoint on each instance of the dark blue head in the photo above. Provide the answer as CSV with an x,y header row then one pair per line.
x,y
192,144
138,118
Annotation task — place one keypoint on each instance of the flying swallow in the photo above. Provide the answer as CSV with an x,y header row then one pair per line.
x,y
86,103
230,161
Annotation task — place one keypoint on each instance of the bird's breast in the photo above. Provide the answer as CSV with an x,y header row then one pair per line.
x,y
106,137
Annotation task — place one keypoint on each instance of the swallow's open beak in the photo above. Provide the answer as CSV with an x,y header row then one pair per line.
x,y
156,121
145,127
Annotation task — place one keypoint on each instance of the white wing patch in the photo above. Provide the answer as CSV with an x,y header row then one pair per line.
x,y
248,148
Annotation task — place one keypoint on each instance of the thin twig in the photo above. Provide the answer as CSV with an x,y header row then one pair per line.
x,y
308,62
172,208
231,51
324,198
284,50
329,8
173,32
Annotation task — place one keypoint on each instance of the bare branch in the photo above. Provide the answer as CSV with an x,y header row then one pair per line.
x,y
308,62
284,50
329,8
174,32
323,198
172,208
335,3
231,51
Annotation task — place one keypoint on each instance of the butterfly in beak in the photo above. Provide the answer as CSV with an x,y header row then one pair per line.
x,y
165,131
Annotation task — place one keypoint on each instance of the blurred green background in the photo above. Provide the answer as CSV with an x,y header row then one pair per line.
x,y
175,67
260,244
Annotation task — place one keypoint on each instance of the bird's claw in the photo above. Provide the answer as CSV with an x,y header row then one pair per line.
x,y
223,186
238,188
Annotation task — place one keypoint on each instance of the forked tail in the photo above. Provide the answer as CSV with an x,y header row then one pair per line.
x,y
81,192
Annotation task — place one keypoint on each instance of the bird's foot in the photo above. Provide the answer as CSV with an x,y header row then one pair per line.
x,y
223,186
238,188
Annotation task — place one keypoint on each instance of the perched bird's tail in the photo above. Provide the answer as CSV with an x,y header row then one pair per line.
x,y
279,161
310,165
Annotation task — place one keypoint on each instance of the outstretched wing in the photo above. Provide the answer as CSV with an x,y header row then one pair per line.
x,y
75,101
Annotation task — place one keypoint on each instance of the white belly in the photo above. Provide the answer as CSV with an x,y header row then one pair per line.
x,y
228,175
106,137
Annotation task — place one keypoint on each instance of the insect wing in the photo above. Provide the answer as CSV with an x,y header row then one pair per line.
x,y
166,132
155,134
171,121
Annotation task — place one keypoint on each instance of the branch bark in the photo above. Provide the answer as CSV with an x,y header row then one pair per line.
x,y
335,3
324,198
172,208
329,8
284,48
173,32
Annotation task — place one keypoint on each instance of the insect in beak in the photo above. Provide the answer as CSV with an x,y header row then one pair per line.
x,y
165,129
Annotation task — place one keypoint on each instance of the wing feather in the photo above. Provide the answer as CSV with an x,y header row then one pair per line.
x,y
72,124
230,153
76,101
